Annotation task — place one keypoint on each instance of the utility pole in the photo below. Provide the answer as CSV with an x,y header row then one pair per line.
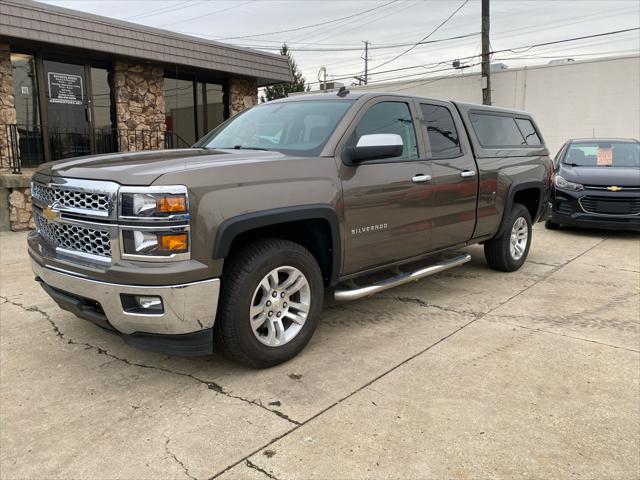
x,y
486,48
363,79
366,62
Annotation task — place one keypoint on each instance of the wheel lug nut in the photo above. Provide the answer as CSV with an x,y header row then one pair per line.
x,y
268,303
270,314
282,295
274,294
284,304
279,314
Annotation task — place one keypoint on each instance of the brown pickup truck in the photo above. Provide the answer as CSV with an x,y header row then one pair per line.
x,y
231,244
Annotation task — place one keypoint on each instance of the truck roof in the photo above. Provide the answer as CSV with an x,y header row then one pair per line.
x,y
359,94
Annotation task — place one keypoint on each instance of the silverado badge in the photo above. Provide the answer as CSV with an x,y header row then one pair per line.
x,y
51,214
614,188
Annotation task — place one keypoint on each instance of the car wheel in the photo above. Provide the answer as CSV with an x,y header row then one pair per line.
x,y
549,225
270,304
509,251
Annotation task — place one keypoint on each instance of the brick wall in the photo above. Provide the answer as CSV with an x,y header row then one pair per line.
x,y
7,105
140,108
243,93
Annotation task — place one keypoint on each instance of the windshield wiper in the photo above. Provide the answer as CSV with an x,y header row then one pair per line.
x,y
240,147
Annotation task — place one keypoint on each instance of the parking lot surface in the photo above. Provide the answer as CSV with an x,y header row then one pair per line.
x,y
468,374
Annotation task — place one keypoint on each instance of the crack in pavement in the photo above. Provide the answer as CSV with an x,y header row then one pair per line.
x,y
177,460
250,464
422,303
101,351
476,318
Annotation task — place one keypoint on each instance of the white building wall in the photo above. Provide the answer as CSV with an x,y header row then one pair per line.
x,y
578,99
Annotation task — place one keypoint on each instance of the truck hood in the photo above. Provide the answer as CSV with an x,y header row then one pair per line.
x,y
143,168
601,176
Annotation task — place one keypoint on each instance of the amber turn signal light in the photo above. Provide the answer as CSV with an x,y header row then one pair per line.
x,y
171,204
177,242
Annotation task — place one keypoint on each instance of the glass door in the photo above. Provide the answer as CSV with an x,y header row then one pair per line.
x,y
67,104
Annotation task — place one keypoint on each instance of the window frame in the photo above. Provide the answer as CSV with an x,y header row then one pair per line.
x,y
513,116
427,141
362,111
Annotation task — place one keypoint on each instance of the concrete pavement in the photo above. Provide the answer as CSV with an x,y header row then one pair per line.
x,y
468,374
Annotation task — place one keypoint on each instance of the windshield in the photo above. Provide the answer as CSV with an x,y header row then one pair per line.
x,y
295,128
601,154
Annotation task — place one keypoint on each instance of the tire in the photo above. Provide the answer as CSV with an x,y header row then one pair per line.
x,y
243,292
549,225
498,251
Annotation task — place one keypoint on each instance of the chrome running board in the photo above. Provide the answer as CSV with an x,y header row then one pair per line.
x,y
356,293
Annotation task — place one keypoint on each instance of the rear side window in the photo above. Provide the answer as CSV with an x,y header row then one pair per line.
x,y
441,132
528,130
496,131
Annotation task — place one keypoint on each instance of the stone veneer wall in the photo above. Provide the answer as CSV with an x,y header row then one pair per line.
x,y
243,93
7,106
140,108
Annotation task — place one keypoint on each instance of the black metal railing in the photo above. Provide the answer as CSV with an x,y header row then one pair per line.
x,y
27,146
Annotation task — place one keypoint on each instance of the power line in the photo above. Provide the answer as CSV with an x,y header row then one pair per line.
x,y
513,50
349,49
424,38
167,9
310,26
202,15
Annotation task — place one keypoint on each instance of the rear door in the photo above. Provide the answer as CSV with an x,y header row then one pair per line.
x,y
454,175
385,201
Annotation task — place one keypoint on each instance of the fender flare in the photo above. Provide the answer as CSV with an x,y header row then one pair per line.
x,y
234,226
513,189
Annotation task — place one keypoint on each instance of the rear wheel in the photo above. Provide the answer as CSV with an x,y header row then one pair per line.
x,y
270,303
509,251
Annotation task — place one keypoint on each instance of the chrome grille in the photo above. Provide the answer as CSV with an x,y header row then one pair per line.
x,y
74,237
71,198
611,205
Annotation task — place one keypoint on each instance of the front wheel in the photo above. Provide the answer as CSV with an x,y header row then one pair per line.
x,y
509,251
271,298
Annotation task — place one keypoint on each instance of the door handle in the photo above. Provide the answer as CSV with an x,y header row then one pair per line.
x,y
421,178
468,173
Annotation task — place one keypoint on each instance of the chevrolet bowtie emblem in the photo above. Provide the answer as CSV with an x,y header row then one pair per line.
x,y
614,188
51,214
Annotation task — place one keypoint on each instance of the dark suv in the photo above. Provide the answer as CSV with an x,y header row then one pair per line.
x,y
597,184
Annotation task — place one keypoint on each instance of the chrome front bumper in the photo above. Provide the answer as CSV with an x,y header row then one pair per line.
x,y
187,308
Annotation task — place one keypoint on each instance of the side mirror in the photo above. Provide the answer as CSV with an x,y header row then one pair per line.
x,y
375,147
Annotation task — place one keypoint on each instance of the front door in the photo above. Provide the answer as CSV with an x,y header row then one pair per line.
x,y
454,182
385,201
67,104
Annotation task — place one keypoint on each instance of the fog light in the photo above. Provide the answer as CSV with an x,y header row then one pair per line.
x,y
142,304
149,303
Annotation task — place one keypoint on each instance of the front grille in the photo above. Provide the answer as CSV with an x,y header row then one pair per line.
x,y
611,205
71,198
74,237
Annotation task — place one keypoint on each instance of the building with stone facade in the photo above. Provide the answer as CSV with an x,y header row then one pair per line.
x,y
74,84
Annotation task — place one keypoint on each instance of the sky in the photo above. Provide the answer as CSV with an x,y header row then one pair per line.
x,y
393,27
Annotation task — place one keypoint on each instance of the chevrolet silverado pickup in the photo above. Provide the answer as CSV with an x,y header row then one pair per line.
x,y
232,244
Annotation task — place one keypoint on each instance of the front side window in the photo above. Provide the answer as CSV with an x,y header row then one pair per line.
x,y
295,128
389,117
441,132
603,154
496,131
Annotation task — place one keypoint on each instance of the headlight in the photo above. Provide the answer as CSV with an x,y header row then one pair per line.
x,y
153,202
567,185
140,208
155,243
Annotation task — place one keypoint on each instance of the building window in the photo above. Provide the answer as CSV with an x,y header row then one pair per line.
x,y
192,108
179,108
25,91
